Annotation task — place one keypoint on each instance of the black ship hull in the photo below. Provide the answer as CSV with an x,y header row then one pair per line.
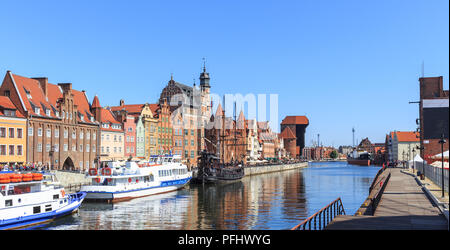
x,y
219,175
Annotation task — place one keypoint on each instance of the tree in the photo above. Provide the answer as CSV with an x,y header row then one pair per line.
x,y
334,154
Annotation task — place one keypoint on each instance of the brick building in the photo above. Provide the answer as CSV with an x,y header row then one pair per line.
x,y
297,125
433,116
61,130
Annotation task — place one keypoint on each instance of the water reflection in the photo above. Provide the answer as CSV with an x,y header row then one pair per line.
x,y
269,201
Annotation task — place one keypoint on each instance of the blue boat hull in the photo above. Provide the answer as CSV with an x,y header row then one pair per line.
x,y
75,201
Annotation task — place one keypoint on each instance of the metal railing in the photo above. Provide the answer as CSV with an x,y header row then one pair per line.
x,y
323,217
432,173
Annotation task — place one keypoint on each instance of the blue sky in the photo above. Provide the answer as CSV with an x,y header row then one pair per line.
x,y
342,63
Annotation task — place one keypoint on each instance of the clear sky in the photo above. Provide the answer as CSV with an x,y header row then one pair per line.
x,y
342,63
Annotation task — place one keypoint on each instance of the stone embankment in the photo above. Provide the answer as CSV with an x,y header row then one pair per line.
x,y
254,170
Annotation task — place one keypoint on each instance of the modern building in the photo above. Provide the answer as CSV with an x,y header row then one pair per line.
x,y
61,130
13,127
297,125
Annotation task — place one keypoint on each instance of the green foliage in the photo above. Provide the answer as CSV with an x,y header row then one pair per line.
x,y
334,154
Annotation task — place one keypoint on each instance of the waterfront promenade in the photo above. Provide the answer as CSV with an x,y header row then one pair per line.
x,y
403,206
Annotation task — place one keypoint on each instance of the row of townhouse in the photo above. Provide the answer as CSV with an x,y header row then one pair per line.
x,y
56,126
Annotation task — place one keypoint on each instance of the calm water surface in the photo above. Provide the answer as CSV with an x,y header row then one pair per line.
x,y
269,201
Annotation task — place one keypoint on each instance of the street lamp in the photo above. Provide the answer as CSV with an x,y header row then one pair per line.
x,y
413,154
442,141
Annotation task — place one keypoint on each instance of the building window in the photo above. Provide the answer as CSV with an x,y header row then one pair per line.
x,y
192,154
47,147
39,147
66,133
49,133
2,149
11,149
80,147
2,132
74,147
74,134
56,133
30,131
11,132
94,135
66,147
93,148
87,148
81,134
19,149
39,131
56,147
47,112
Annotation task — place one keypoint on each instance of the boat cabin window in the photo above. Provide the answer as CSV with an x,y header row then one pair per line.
x,y
8,203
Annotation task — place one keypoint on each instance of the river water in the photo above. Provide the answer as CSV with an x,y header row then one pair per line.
x,y
269,201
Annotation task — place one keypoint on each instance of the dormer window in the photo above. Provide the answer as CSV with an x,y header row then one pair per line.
x,y
57,113
92,119
47,112
37,110
9,112
82,117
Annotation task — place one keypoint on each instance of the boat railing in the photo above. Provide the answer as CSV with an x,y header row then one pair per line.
x,y
323,217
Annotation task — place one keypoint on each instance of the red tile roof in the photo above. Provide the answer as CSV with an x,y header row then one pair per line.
x,y
6,103
295,120
33,96
287,134
96,102
407,136
130,108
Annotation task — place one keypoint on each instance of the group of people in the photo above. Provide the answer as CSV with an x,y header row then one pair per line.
x,y
24,167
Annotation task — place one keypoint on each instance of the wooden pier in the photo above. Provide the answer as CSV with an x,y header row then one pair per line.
x,y
403,206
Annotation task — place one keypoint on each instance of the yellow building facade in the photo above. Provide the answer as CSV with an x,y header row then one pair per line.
x,y
13,134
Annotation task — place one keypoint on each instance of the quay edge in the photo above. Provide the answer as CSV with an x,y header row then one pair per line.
x,y
255,170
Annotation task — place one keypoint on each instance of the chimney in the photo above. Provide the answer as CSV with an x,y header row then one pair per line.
x,y
43,82
65,86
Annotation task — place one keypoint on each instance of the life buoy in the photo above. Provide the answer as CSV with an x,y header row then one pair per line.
x,y
106,171
129,180
98,179
92,171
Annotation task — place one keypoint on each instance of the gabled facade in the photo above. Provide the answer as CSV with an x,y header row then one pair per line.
x,y
111,133
61,131
13,127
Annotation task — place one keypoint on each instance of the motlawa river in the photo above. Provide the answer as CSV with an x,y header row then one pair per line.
x,y
271,201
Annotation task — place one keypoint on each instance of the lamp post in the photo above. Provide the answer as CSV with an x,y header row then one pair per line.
x,y
442,141
403,158
414,162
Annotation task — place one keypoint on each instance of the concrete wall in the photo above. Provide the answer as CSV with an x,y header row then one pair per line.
x,y
67,178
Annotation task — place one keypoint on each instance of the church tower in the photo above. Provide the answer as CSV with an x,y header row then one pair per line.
x,y
205,94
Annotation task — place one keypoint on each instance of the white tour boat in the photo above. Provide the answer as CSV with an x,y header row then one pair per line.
x,y
33,198
116,182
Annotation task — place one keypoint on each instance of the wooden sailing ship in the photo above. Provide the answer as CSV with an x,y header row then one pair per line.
x,y
212,168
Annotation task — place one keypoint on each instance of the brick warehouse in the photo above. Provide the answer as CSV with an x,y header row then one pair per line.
x,y
433,116
61,131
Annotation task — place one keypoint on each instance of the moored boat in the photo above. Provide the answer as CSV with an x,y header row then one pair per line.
x,y
212,170
359,158
28,199
117,182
